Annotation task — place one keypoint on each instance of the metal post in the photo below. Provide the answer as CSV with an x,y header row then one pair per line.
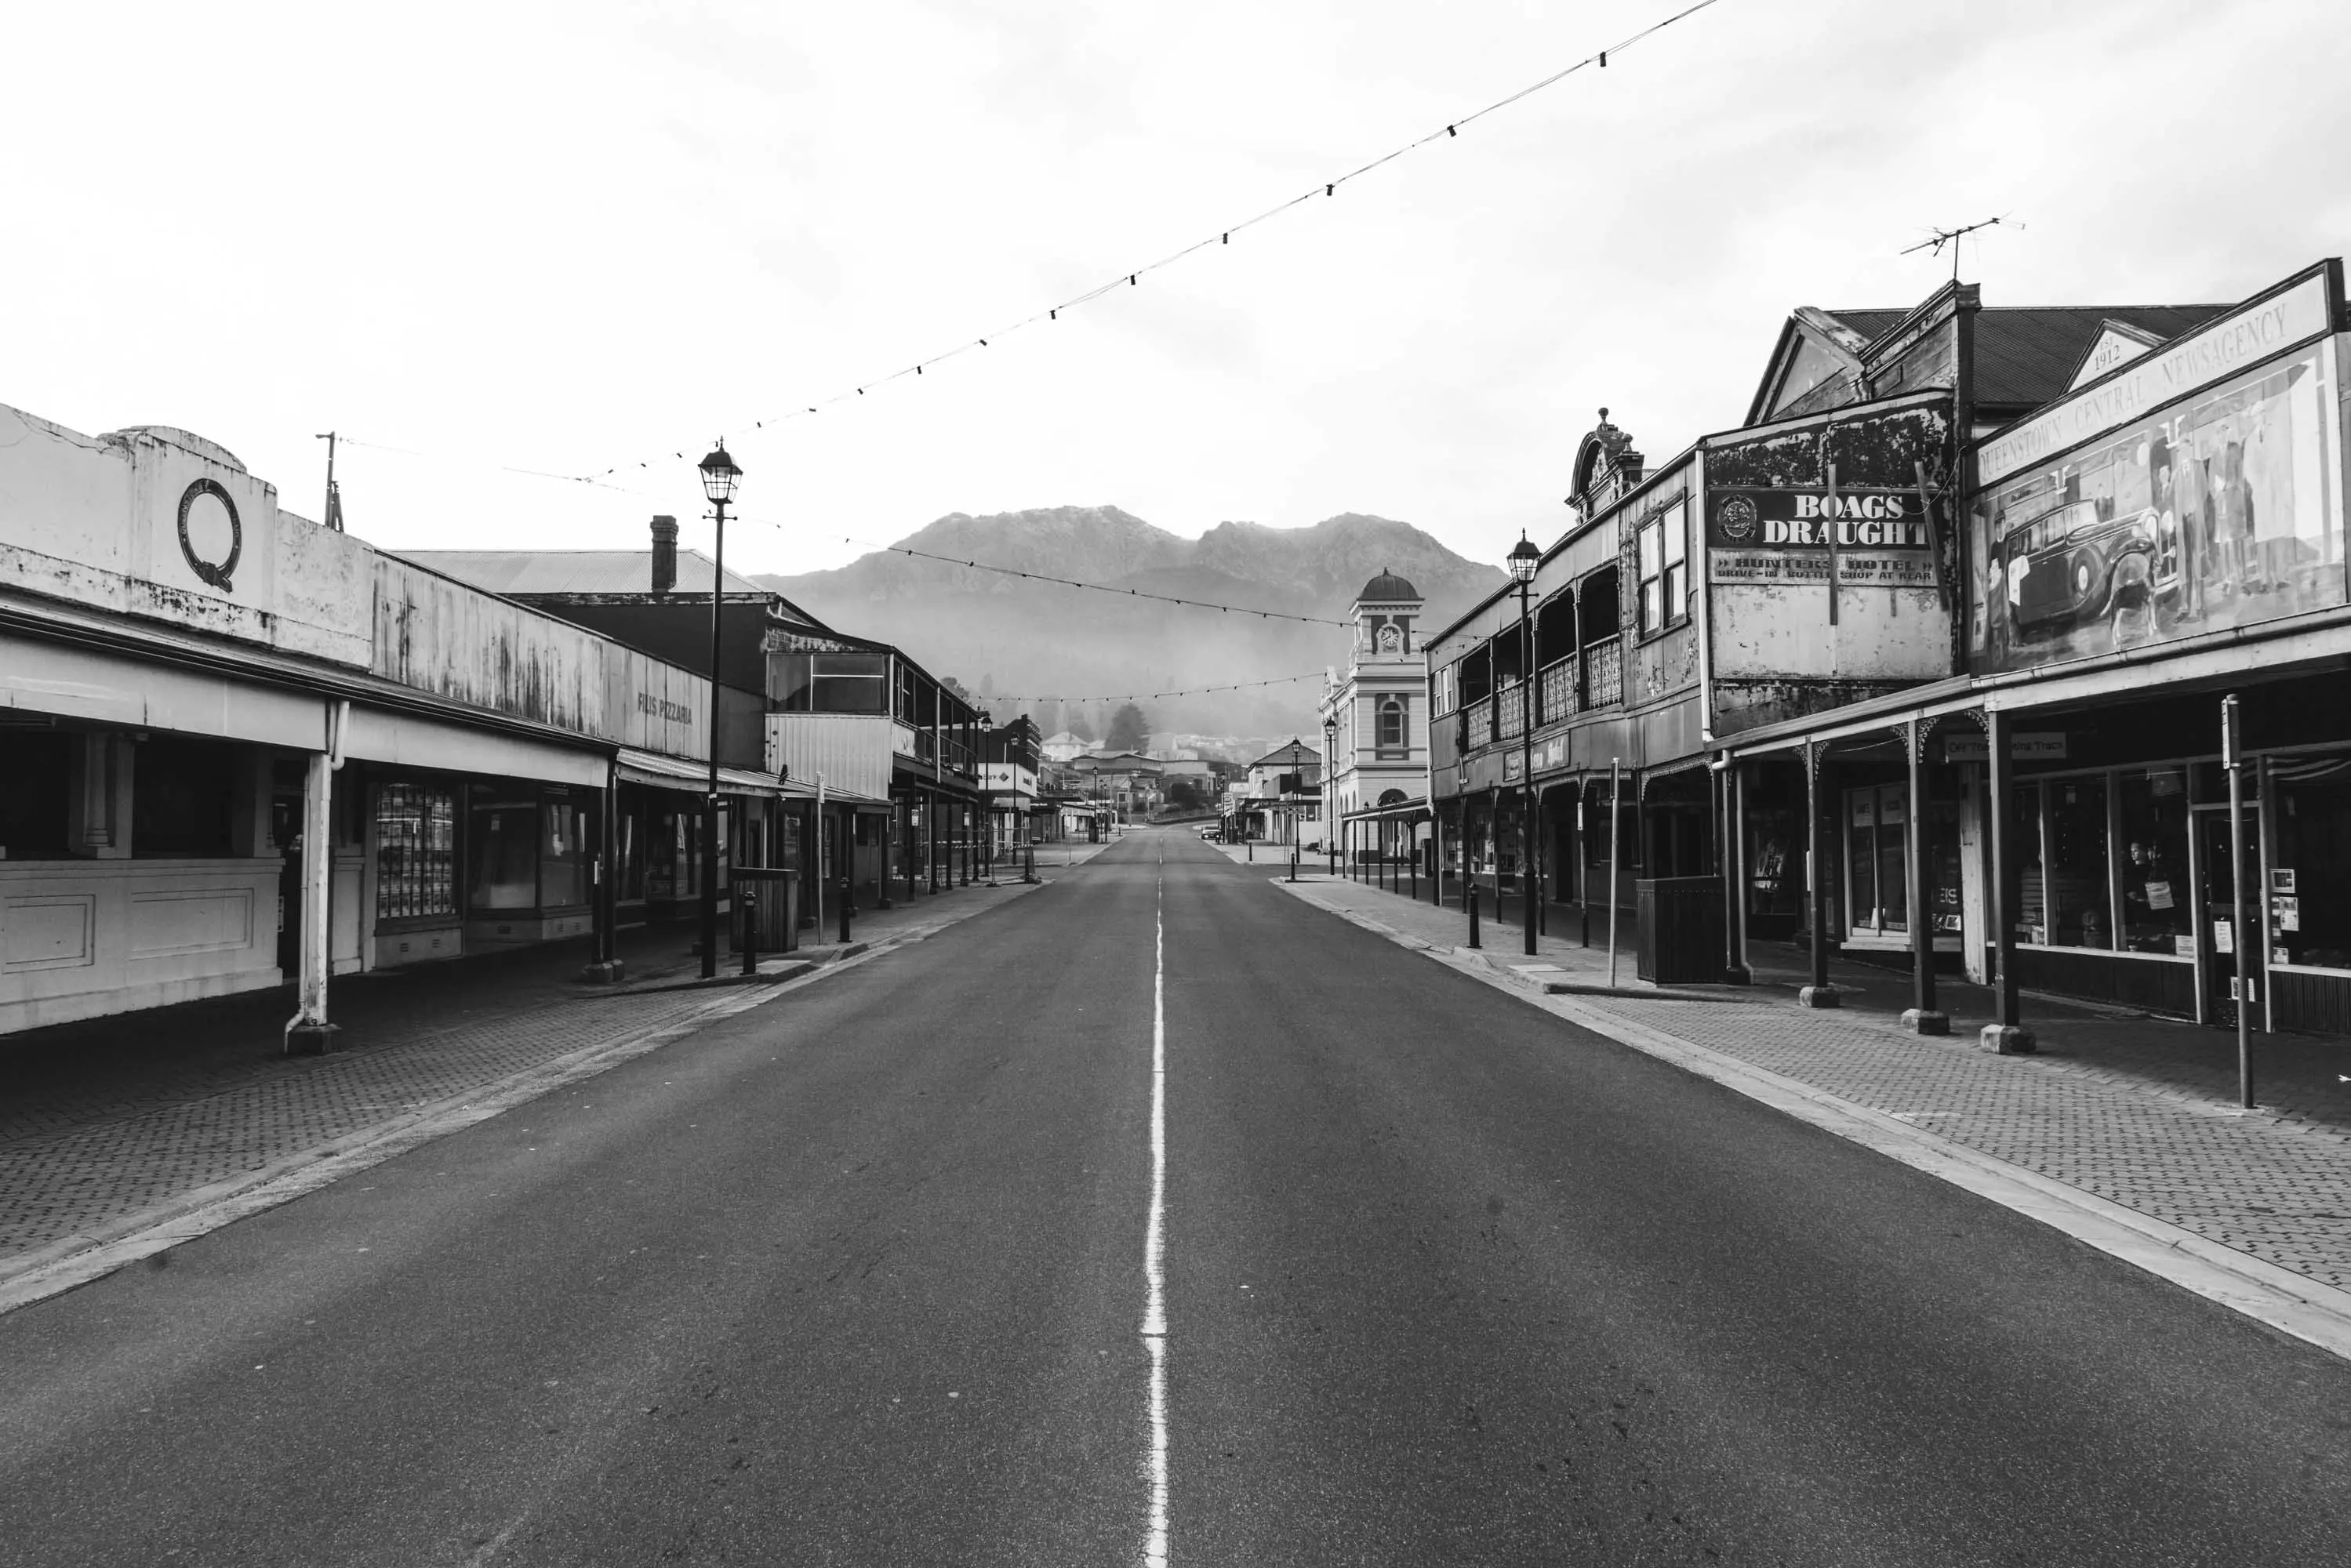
x,y
748,903
1530,899
2240,930
2003,1034
1923,1017
1470,897
1615,778
1820,993
845,912
710,799
1730,862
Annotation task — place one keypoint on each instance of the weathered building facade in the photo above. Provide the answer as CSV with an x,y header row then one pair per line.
x,y
237,747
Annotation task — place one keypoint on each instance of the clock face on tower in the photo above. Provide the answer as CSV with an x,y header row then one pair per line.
x,y
1391,639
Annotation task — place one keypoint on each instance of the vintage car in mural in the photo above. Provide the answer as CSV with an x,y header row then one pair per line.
x,y
2075,569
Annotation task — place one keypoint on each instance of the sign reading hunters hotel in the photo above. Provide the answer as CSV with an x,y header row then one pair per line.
x,y
1881,537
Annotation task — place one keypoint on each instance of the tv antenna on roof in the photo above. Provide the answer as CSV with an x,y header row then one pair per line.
x,y
1951,237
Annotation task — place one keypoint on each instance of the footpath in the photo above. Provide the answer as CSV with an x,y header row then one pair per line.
x,y
121,1135
2124,1130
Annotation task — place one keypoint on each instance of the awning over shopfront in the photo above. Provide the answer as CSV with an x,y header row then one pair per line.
x,y
680,773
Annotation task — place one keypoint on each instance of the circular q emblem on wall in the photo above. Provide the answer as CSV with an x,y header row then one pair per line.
x,y
211,537
1737,517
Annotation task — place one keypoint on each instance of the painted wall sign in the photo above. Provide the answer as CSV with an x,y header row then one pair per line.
x,y
2212,512
1782,536
802,642
212,536
2302,310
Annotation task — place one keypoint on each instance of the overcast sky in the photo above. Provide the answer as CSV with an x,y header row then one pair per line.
x,y
572,235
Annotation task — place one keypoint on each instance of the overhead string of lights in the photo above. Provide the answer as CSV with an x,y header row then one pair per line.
x,y
1093,587
1133,276
995,698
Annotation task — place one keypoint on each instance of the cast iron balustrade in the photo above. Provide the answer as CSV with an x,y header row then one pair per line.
x,y
1557,686
1481,723
1604,665
1513,701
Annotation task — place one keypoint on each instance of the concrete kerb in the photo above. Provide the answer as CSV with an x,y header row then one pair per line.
x,y
2275,1297
76,1260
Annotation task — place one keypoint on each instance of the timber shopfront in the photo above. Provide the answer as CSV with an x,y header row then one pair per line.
x,y
2166,535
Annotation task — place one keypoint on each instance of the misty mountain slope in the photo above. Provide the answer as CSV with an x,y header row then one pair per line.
x,y
1007,636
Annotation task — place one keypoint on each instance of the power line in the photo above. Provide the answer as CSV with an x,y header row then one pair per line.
x,y
1133,276
1151,696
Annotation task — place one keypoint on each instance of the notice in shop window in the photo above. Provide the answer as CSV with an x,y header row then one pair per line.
x,y
2158,895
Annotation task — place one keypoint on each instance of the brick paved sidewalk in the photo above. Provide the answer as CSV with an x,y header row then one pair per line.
x,y
2139,1111
105,1121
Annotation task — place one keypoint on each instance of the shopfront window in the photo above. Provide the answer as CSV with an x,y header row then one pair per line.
x,y
505,853
563,857
182,796
2079,893
2032,921
36,785
415,852
1877,890
2309,910
2156,895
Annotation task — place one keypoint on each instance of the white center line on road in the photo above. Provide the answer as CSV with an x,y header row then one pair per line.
x,y
1155,1235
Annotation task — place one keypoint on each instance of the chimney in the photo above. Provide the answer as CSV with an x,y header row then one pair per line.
x,y
664,555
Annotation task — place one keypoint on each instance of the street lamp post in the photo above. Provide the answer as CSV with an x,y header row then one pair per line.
x,y
719,476
1524,558
1331,790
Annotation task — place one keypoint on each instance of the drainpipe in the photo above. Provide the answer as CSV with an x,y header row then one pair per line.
x,y
308,1033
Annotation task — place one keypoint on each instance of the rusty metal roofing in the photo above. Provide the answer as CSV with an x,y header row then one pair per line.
x,y
2026,354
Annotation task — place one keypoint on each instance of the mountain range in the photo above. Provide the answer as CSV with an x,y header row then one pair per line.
x,y
1054,652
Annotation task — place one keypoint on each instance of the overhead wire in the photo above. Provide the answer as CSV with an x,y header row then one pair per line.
x,y
1132,276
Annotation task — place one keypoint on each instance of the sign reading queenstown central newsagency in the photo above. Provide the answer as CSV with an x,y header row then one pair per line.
x,y
1881,537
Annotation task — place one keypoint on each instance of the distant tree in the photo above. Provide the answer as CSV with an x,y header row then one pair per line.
x,y
1129,730
956,686
1186,793
1079,727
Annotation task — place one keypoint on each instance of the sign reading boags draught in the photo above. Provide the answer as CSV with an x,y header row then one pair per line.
x,y
1881,538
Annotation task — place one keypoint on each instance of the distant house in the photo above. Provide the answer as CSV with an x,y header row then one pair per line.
x,y
1126,780
1279,800
1062,746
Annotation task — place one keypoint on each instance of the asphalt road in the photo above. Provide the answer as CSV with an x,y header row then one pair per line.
x,y
860,1278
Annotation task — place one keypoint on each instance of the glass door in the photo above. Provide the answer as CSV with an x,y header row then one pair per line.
x,y
2216,896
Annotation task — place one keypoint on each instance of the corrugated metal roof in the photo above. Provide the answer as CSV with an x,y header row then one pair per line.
x,y
513,572
2026,354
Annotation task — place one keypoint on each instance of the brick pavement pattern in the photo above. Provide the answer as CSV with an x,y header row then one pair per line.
x,y
2139,1111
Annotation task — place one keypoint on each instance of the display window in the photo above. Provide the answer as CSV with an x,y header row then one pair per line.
x,y
34,791
2151,815
1877,884
2080,896
182,796
563,855
416,850
2309,910
504,841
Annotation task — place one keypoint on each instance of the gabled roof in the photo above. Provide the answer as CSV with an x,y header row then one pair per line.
x,y
2026,355
1296,752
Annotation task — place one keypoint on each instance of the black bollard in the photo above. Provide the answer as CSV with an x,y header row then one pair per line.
x,y
1473,913
845,912
750,901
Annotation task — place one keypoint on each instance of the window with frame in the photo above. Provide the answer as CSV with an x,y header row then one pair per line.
x,y
1391,723
831,683
1661,553
1444,689
416,850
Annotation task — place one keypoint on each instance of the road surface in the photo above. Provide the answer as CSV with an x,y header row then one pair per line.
x,y
865,1276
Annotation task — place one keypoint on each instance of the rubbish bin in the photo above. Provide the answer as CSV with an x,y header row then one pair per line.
x,y
779,890
1680,934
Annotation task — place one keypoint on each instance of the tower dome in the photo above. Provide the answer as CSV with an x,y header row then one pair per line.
x,y
1388,588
